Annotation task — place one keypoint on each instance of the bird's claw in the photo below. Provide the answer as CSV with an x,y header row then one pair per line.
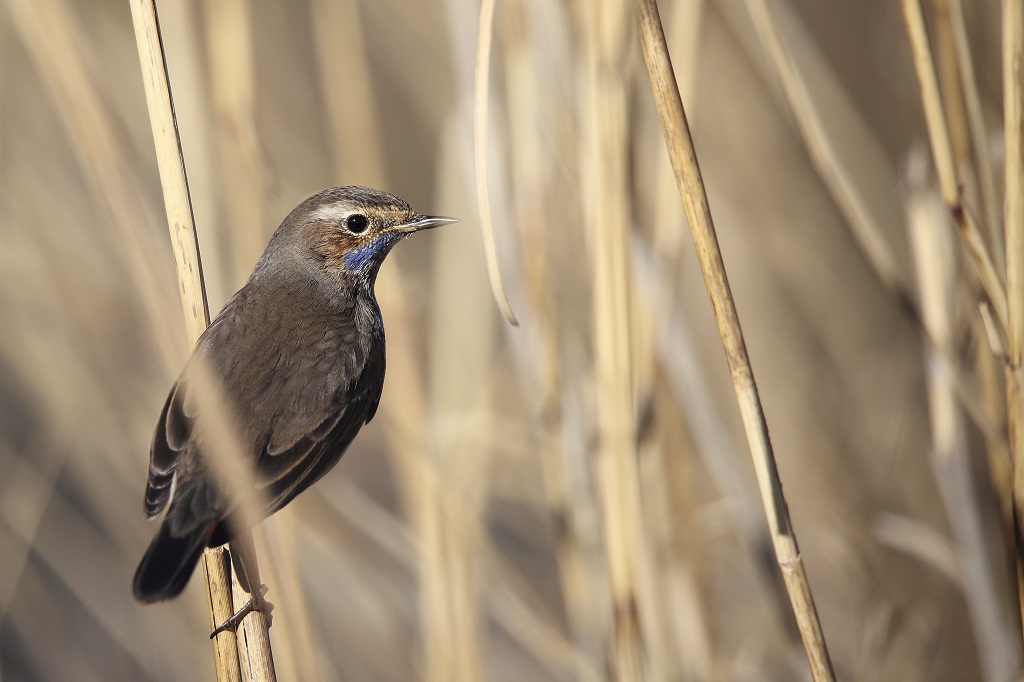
x,y
257,602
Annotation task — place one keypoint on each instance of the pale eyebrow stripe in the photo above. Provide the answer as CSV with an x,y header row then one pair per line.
x,y
328,212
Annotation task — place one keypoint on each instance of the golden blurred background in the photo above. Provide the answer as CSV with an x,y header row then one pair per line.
x,y
465,534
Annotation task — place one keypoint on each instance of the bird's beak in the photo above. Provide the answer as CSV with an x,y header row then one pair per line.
x,y
424,222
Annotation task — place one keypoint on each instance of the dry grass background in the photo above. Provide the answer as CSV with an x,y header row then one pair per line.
x,y
463,535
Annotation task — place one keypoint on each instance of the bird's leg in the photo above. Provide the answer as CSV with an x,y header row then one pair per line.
x,y
243,558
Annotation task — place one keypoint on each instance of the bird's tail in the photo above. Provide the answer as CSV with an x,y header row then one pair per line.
x,y
168,563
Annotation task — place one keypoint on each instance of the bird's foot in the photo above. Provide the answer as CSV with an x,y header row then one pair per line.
x,y
257,602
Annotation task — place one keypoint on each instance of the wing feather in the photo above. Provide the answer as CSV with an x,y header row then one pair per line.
x,y
300,389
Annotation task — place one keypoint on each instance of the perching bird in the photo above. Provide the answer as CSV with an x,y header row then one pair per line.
x,y
298,354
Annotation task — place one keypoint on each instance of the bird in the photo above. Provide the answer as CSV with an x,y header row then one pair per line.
x,y
298,354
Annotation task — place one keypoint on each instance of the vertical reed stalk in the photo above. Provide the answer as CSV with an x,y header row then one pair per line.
x,y
1013,204
936,271
945,164
976,127
691,188
54,40
358,152
185,245
860,215
485,39
243,182
636,655
528,89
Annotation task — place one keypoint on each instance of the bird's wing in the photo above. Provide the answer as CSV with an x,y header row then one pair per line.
x,y
310,435
284,475
173,432
173,439
300,390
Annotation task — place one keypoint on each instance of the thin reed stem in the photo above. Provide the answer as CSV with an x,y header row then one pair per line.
x,y
185,245
866,228
942,151
976,128
480,111
698,213
1013,120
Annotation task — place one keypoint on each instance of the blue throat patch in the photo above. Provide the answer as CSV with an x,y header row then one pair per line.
x,y
364,255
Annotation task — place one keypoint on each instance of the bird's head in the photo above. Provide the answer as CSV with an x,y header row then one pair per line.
x,y
353,228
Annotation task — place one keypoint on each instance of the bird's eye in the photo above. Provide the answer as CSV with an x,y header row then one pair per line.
x,y
356,223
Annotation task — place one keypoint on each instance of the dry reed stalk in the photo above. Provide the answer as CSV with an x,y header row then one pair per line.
x,y
460,358
230,467
661,503
507,602
820,146
691,188
976,127
1013,204
680,565
485,38
942,151
528,79
935,264
295,655
857,209
357,137
244,183
189,63
197,317
677,358
684,30
951,90
243,179
345,77
53,38
636,652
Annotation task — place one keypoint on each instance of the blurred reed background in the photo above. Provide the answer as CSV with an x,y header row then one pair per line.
x,y
469,531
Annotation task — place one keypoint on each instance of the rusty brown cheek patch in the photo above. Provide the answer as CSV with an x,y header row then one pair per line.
x,y
332,244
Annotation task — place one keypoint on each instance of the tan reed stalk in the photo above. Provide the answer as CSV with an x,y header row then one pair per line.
x,y
976,127
661,502
679,563
951,90
507,601
857,211
974,163
942,151
193,106
53,38
691,188
636,655
197,317
531,167
295,654
243,188
356,137
234,474
821,148
345,77
461,353
243,182
1013,204
485,38
950,459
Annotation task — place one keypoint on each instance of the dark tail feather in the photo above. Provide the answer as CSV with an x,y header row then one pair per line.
x,y
168,563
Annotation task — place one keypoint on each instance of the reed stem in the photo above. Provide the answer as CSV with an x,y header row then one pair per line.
x,y
698,213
